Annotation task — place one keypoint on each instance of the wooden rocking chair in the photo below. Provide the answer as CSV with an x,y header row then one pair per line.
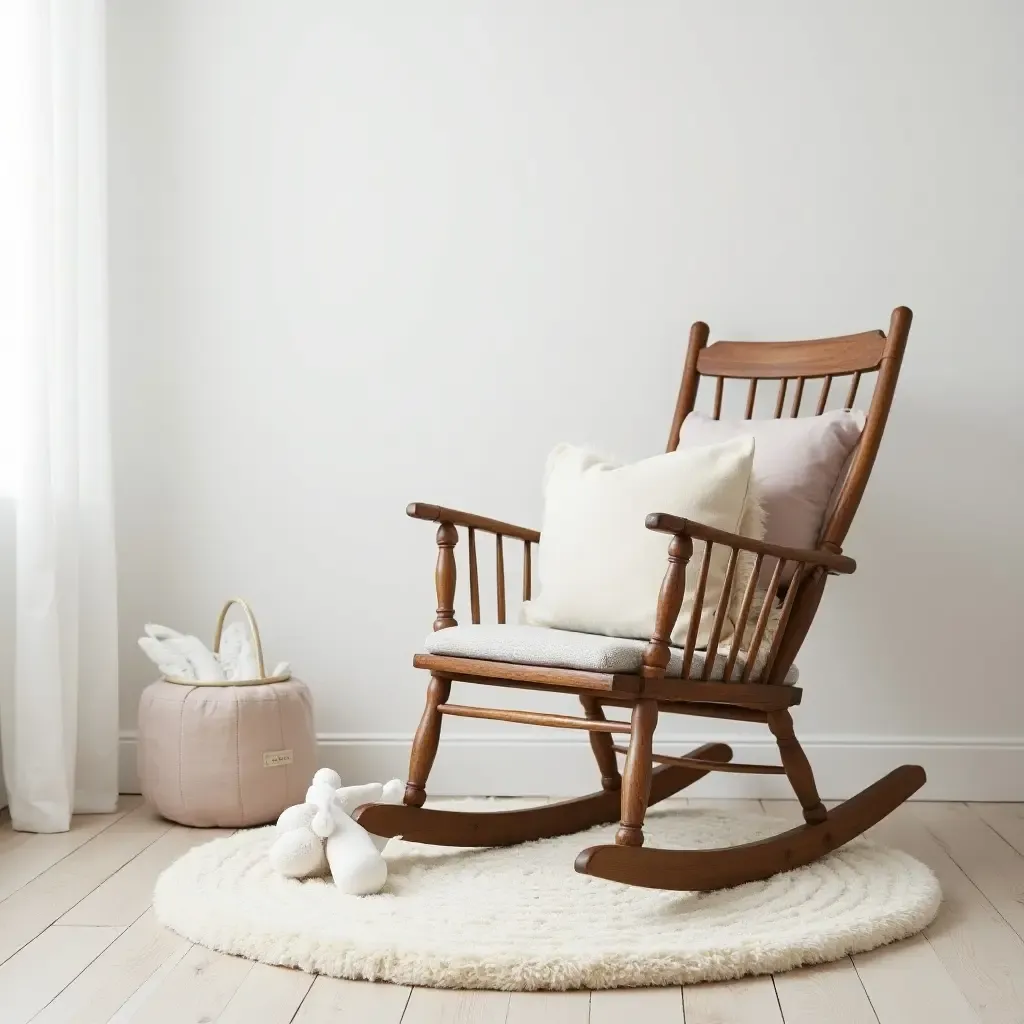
x,y
649,690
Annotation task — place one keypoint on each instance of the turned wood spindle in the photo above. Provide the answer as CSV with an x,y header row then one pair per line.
x,y
603,746
444,576
798,768
424,744
636,779
670,600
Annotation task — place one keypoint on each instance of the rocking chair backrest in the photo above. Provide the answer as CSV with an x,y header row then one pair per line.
x,y
854,356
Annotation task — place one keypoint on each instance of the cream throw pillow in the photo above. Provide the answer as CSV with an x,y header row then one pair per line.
x,y
601,568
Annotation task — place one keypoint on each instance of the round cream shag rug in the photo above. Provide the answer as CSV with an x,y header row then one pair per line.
x,y
520,918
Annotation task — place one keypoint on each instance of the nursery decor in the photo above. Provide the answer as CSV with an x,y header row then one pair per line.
x,y
221,743
519,918
318,837
728,672
592,504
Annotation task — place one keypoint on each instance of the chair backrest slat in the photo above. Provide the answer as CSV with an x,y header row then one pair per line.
x,y
798,396
698,605
751,396
781,400
474,577
823,397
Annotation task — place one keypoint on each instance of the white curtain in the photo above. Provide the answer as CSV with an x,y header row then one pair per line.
x,y
58,711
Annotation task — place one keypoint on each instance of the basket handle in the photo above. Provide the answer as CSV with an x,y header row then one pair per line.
x,y
253,629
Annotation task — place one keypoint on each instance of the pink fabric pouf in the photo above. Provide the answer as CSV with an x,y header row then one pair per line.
x,y
226,756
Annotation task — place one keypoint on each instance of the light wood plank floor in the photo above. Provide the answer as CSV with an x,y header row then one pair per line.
x,y
79,945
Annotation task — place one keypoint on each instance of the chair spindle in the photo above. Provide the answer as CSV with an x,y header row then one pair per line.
x,y
853,391
787,608
798,397
527,571
781,400
444,576
711,654
474,578
751,395
741,619
719,385
762,620
499,554
698,604
823,398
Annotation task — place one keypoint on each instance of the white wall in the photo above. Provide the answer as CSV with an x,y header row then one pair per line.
x,y
365,253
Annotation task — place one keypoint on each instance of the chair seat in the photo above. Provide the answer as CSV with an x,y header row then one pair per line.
x,y
590,652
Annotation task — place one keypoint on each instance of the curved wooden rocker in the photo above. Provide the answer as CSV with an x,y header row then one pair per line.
x,y
506,828
749,688
701,870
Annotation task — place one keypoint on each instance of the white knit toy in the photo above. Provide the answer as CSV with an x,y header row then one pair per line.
x,y
318,836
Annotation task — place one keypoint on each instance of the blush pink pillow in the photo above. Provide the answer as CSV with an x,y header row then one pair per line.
x,y
798,464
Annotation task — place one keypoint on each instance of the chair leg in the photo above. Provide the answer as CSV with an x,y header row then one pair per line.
x,y
798,768
424,744
603,746
636,781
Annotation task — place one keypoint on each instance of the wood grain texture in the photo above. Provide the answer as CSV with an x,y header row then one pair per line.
x,y
270,995
116,974
25,855
727,766
602,746
444,576
994,866
331,1000
499,576
36,905
440,514
424,743
126,894
706,869
474,578
548,1008
662,522
830,993
646,1005
979,950
198,988
532,718
1006,819
670,599
773,360
932,997
798,768
506,827
693,628
689,384
636,776
445,1006
38,972
747,1001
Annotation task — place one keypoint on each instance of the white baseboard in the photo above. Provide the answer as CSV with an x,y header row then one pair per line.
x,y
958,769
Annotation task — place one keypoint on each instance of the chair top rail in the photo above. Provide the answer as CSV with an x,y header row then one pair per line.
x,y
775,360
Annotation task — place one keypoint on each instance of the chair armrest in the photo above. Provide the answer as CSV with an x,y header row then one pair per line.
x,y
756,609
439,514
662,522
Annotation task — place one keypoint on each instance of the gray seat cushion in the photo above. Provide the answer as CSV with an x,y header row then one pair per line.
x,y
562,648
